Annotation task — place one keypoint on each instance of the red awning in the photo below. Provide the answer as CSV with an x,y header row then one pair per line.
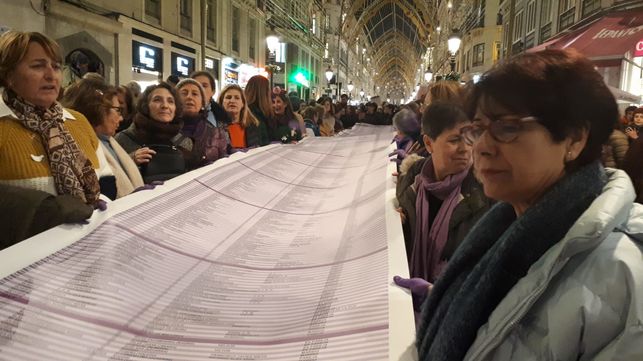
x,y
544,46
610,37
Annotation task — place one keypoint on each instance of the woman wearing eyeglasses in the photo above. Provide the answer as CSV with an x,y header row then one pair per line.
x,y
554,271
99,103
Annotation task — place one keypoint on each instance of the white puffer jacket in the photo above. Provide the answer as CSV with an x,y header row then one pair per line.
x,y
583,300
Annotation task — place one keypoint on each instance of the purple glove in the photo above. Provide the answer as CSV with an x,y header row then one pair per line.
x,y
147,187
419,289
101,205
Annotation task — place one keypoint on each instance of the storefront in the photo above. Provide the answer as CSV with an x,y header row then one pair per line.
x,y
182,65
147,63
183,60
615,44
212,66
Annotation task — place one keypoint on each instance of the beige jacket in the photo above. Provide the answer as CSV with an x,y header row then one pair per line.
x,y
128,177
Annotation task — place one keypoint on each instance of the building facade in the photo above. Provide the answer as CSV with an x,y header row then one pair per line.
x,y
148,40
606,31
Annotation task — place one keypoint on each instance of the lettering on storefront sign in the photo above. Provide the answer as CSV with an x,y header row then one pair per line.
x,y
616,34
182,65
639,49
209,63
146,56
231,77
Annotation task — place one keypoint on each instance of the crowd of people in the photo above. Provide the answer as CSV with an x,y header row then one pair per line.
x,y
516,193
67,147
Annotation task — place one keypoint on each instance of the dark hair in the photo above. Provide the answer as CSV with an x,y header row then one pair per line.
x,y
637,111
143,106
92,98
289,114
129,99
174,79
441,116
631,108
205,74
559,87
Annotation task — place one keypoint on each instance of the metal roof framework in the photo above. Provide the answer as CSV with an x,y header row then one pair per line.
x,y
397,35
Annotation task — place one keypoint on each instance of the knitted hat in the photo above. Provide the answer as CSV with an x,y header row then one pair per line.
x,y
187,81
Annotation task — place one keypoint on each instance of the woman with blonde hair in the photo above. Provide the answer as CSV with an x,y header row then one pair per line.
x,y
259,100
244,128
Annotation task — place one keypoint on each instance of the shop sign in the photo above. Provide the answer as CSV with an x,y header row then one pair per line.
x,y
147,56
182,65
638,51
231,76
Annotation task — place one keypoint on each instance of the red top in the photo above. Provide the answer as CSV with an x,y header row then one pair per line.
x,y
237,135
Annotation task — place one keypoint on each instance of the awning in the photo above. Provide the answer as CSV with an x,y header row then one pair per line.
x,y
544,46
610,37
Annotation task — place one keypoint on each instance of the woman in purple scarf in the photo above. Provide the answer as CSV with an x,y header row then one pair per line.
x,y
445,200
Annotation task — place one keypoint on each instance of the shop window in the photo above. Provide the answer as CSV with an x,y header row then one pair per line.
x,y
153,9
80,62
478,55
186,15
590,7
212,21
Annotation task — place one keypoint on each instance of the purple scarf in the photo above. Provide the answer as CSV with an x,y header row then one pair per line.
x,y
429,239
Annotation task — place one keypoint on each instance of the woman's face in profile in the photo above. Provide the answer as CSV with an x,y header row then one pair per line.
x,y
520,171
450,153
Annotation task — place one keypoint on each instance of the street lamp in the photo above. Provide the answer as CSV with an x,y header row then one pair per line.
x,y
454,44
361,93
329,74
272,42
350,86
428,75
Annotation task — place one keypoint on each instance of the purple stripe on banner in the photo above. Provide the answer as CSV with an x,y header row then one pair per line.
x,y
242,266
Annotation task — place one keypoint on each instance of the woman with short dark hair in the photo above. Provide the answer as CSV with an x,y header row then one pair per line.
x,y
555,269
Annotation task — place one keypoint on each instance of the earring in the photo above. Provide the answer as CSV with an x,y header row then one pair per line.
x,y
569,156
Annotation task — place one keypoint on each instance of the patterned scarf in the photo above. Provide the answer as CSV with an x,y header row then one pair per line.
x,y
72,172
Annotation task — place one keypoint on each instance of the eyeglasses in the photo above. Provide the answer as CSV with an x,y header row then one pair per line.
x,y
503,130
119,110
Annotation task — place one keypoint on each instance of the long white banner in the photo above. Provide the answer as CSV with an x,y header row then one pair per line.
x,y
285,253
